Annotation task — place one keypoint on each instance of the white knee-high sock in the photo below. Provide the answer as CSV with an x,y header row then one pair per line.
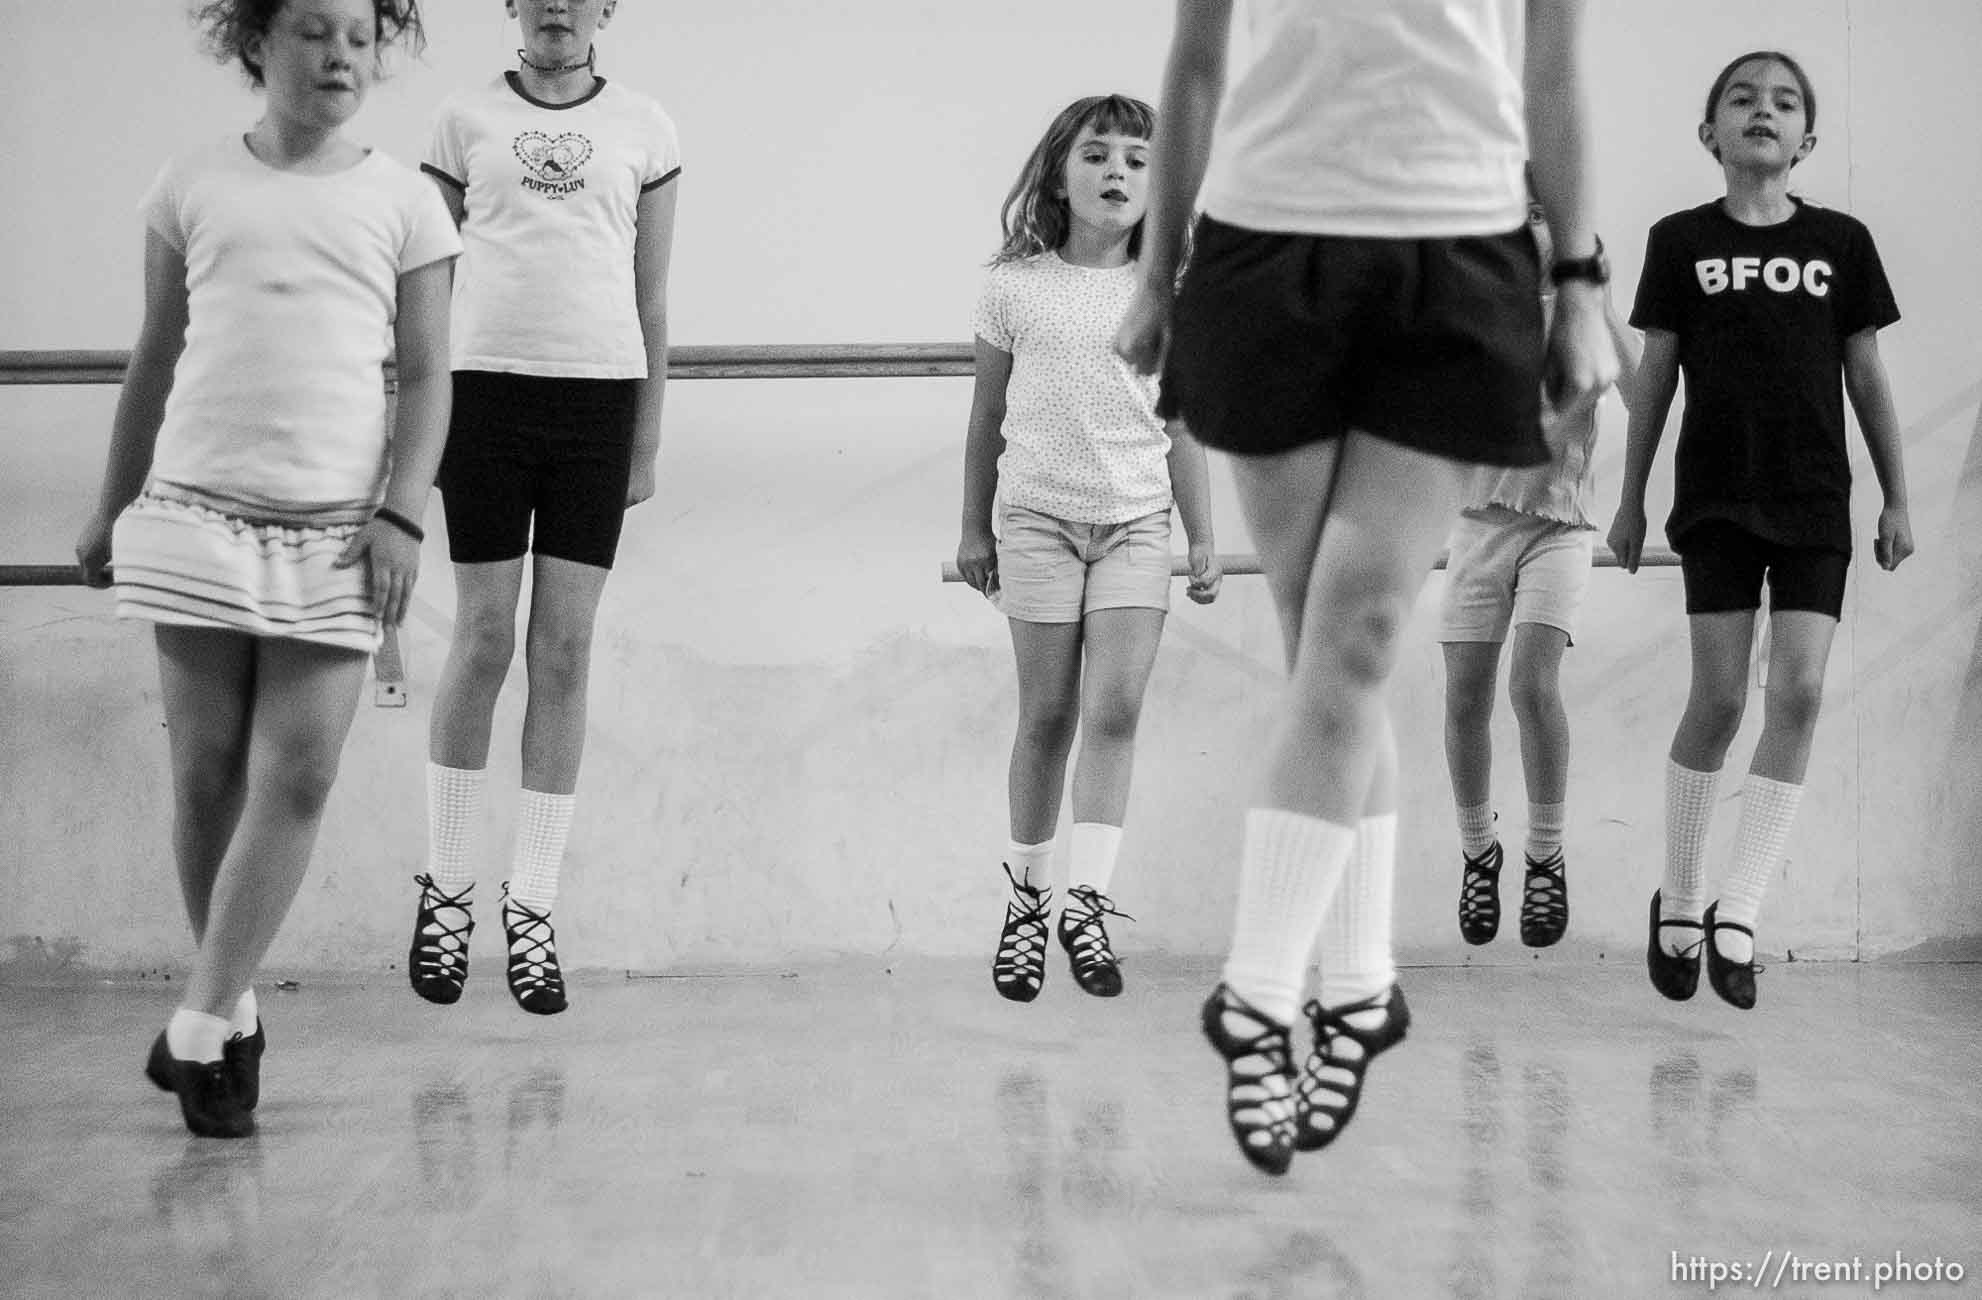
x,y
1030,863
542,824
1475,828
454,806
1289,867
1356,960
1768,810
1094,849
1689,812
1544,831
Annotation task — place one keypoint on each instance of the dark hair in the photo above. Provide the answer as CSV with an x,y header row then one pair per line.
x,y
227,25
1034,218
1767,56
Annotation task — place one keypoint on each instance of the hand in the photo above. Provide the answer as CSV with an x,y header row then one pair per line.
x,y
1582,359
639,484
93,552
1895,540
977,560
1206,574
1627,536
1143,339
393,559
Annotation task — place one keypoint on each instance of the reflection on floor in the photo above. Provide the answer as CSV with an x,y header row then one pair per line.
x,y
1556,1131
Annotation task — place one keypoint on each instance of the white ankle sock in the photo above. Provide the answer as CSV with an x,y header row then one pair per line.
x,y
195,1035
1356,960
1288,870
543,823
454,806
1768,810
1475,828
1544,831
1095,847
1029,862
247,1016
1689,813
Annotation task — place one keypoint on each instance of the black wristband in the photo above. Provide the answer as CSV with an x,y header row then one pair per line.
x,y
401,522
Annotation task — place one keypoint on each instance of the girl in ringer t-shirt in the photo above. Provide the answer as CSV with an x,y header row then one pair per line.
x,y
1067,458
265,517
564,186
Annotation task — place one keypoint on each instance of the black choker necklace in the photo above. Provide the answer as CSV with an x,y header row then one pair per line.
x,y
591,61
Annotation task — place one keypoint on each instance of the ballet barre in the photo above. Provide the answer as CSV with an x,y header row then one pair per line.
x,y
722,361
1654,557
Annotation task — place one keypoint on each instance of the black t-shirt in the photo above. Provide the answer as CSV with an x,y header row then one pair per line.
x,y
1762,314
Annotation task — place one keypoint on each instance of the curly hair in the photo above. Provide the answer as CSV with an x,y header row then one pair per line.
x,y
228,24
1035,219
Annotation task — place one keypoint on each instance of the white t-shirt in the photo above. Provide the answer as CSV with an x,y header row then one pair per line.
x,y
1082,439
552,195
292,286
1398,119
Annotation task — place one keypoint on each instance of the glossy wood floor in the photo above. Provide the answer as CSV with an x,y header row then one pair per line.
x,y
1551,1131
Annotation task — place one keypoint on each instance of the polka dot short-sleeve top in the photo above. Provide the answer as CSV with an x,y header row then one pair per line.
x,y
1083,441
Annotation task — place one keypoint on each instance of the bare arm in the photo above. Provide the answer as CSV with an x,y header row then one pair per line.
x,y
1190,484
1651,398
653,251
1193,84
1630,352
984,442
141,404
1581,361
1871,397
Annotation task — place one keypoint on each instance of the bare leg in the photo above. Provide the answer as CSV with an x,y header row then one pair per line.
x,y
478,660
564,605
1119,650
1049,669
207,681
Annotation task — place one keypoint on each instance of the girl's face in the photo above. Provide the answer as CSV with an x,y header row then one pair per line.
x,y
1106,179
1761,121
319,58
558,33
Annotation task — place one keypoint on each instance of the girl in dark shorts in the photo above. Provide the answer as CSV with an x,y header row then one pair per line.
x,y
1360,325
562,184
1764,300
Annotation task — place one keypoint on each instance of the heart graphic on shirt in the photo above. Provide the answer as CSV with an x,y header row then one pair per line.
x,y
553,159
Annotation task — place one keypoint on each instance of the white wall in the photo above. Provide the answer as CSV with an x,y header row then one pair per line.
x,y
798,736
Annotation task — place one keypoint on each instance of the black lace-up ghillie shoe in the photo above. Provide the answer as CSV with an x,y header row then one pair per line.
x,y
209,1102
1019,969
1544,901
1259,1080
1324,1105
437,963
1095,967
535,980
1479,896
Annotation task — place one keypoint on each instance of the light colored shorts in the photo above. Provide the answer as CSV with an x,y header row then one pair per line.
x,y
181,562
1505,568
1055,571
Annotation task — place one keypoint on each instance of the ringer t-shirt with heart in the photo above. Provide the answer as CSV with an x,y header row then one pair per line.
x,y
551,193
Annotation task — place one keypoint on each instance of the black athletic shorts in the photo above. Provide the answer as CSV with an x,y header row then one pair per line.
x,y
1282,340
537,463
1723,564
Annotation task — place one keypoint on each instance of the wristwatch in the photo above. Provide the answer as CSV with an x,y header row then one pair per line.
x,y
1595,269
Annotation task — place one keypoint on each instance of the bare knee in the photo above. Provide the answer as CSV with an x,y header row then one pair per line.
x,y
1793,701
1047,726
1536,697
209,772
1358,632
485,643
1111,714
559,660
1713,714
1468,702
297,774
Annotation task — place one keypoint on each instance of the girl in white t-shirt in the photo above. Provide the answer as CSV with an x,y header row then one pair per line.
x,y
1066,451
248,503
562,184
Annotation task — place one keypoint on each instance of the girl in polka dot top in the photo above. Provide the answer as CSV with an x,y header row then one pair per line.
x,y
1069,477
